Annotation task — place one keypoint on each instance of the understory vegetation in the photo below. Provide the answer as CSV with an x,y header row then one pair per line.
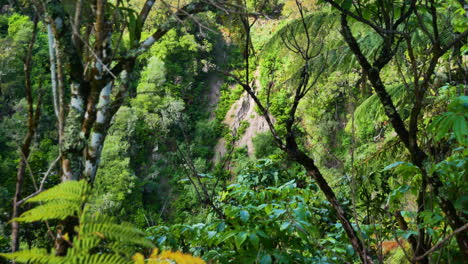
x,y
233,131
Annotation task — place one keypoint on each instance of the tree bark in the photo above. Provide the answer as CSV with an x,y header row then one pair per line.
x,y
53,69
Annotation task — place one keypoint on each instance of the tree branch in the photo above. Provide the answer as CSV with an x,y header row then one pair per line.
x,y
443,242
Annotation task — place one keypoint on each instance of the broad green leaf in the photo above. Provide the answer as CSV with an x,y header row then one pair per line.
x,y
284,225
460,129
240,239
227,235
220,227
254,240
244,215
161,239
211,234
266,259
279,212
393,165
407,234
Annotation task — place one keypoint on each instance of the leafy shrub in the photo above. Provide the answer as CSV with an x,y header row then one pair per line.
x,y
271,222
264,145
453,123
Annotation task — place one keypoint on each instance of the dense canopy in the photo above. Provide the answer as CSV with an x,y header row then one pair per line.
x,y
233,131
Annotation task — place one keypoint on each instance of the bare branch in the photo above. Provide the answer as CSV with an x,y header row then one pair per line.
x,y
442,243
381,31
41,186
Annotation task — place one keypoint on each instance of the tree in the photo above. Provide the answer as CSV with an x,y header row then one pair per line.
x,y
396,28
93,60
313,62
33,120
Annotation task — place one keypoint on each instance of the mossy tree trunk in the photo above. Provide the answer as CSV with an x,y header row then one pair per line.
x,y
85,52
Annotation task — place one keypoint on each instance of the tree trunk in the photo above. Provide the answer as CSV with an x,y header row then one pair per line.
x,y
33,118
53,69
418,157
314,172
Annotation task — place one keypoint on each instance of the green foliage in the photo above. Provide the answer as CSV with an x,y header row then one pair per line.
x,y
205,133
59,202
267,219
453,123
264,145
369,115
4,243
453,171
20,27
229,94
32,256
274,213
266,172
98,238
116,182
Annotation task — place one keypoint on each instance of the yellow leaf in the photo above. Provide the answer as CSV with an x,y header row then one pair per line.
x,y
138,258
154,253
167,257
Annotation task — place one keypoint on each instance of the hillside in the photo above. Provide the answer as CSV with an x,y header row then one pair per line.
x,y
219,131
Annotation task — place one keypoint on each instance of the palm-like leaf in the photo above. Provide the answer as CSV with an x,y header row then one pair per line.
x,y
35,255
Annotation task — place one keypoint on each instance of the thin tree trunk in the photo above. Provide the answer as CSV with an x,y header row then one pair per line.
x,y
53,71
33,118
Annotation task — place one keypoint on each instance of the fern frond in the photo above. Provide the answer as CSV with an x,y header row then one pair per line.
x,y
35,255
371,111
85,243
99,238
97,259
69,190
117,232
121,248
312,21
56,209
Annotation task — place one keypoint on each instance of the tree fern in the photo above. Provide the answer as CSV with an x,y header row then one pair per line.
x,y
70,190
99,238
312,21
371,112
337,50
57,209
106,227
97,258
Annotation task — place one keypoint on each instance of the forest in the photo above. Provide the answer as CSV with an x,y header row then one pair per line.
x,y
233,131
